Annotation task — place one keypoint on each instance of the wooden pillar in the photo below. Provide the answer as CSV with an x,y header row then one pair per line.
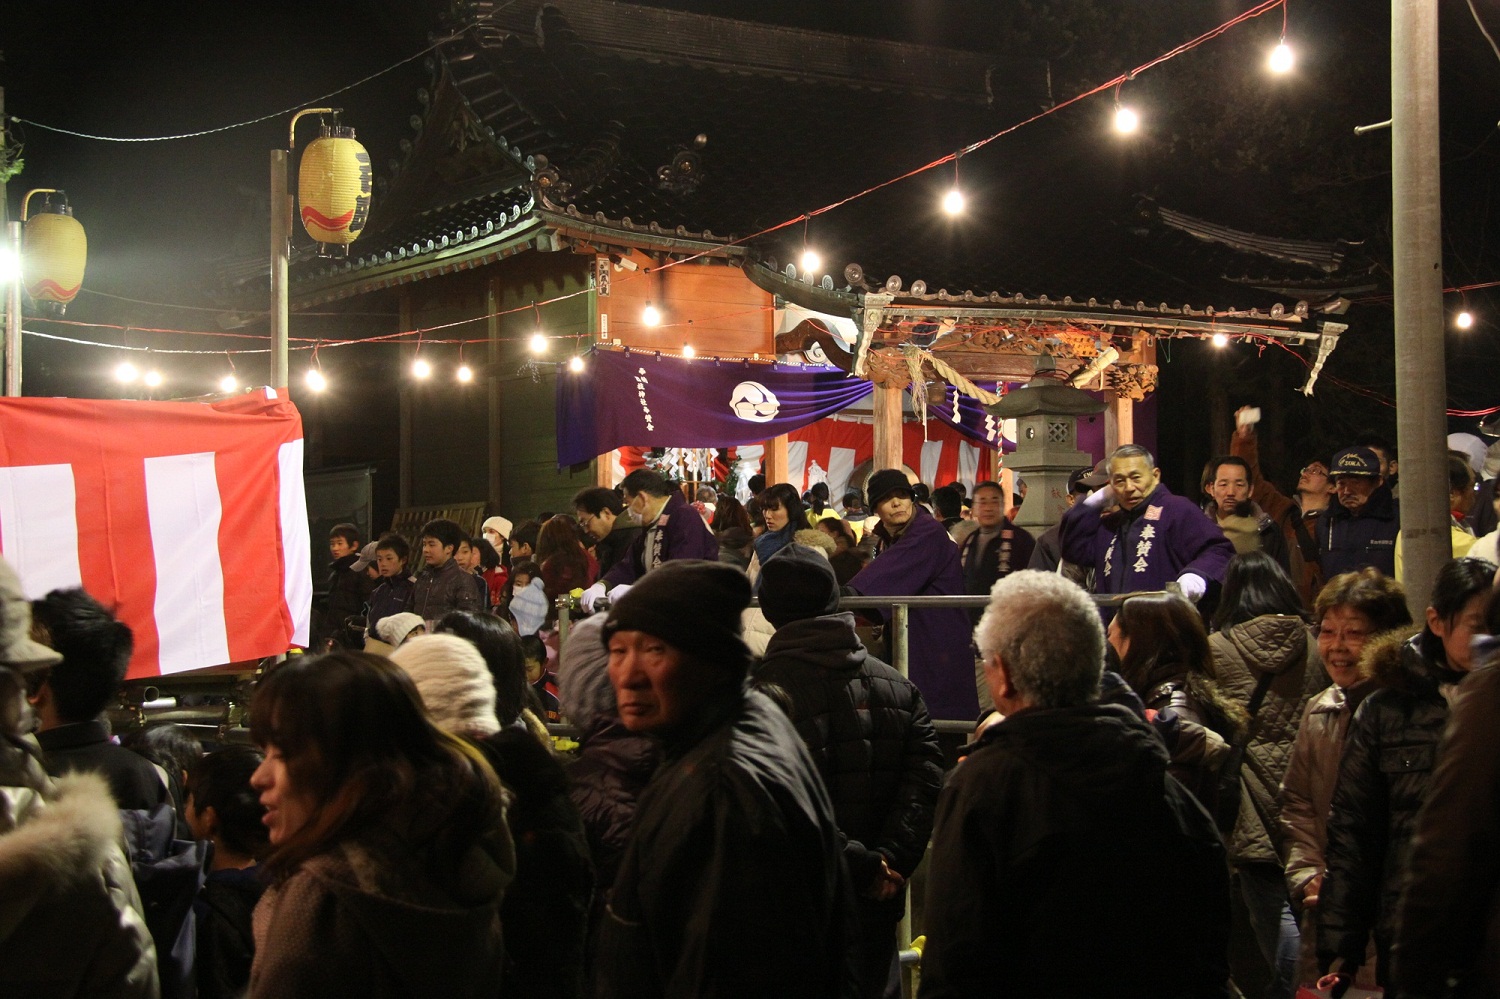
x,y
494,429
604,470
887,426
1119,422
404,392
777,461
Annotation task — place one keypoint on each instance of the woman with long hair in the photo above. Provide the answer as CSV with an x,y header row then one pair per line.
x,y
1265,658
784,515
389,849
566,564
1164,656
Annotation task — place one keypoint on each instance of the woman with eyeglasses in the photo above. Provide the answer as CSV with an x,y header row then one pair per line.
x,y
1387,765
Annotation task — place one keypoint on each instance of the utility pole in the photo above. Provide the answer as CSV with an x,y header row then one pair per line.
x,y
1421,375
281,249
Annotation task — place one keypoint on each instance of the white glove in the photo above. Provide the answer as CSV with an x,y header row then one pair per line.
x,y
1193,586
1104,497
591,596
618,592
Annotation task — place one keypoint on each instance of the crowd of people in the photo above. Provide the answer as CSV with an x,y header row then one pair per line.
x,y
1252,723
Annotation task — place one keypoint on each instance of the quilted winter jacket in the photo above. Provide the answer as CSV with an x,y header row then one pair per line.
x,y
1280,645
868,731
1383,781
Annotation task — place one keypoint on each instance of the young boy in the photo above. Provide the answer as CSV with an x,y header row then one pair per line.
x,y
443,585
542,680
347,589
395,589
224,809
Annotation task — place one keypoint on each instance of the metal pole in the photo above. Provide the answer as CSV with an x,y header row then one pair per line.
x,y
899,657
281,248
13,315
1421,376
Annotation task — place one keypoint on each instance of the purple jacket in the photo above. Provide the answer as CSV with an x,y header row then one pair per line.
x,y
1147,548
924,562
678,533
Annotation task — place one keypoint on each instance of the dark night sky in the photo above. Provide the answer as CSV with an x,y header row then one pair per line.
x,y
159,214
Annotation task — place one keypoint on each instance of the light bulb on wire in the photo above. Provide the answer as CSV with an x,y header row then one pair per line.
x,y
421,369
464,374
651,315
1464,320
1126,120
228,383
152,379
126,372
539,342
689,351
953,201
315,380
811,262
1220,340
1281,59
576,364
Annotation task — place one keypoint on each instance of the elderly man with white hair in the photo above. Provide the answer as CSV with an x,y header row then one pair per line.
x,y
1066,860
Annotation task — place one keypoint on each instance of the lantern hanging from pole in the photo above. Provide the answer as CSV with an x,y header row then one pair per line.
x,y
54,250
333,189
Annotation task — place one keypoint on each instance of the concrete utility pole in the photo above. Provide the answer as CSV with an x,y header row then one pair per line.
x,y
1421,376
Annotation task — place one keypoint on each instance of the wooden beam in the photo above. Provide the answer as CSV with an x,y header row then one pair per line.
x,y
777,462
887,427
1119,422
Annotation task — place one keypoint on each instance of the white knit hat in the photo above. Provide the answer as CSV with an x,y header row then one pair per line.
x,y
502,525
454,682
395,627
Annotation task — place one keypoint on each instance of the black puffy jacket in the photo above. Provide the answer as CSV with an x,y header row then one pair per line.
x,y
872,740
1383,780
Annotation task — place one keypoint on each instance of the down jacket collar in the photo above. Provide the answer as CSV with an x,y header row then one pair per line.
x,y
1411,663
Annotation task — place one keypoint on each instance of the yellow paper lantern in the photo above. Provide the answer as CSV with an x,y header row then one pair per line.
x,y
333,188
53,253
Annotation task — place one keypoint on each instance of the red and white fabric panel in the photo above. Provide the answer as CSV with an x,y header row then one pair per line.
x,y
188,520
830,450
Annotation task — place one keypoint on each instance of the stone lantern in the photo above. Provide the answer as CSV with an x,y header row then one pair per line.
x,y
1046,412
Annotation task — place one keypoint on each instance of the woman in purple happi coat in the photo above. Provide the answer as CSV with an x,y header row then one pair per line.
x,y
914,556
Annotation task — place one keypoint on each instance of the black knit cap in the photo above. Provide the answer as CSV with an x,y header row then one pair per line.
x,y
796,583
885,482
692,605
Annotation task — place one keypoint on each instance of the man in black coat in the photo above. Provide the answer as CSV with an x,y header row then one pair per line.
x,y
1066,860
871,738
1360,529
733,883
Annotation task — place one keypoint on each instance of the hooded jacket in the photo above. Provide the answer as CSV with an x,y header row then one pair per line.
x,y
1448,920
1349,541
355,921
71,922
871,738
1282,646
1067,862
1383,780
733,883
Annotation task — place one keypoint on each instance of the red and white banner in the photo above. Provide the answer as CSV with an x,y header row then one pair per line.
x,y
830,450
187,519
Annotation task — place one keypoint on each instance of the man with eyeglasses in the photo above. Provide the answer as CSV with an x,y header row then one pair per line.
x,y
1298,515
599,511
1360,530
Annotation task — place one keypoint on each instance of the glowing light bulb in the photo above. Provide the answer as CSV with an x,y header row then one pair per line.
x,y
465,373
651,315
1126,120
811,262
152,379
689,351
10,266
538,343
953,202
228,383
421,369
1281,60
315,380
126,372
575,365
1464,320
1220,340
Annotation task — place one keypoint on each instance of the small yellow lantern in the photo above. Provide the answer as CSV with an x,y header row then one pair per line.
x,y
54,250
333,189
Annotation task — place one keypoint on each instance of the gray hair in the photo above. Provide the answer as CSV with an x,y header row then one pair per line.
x,y
1125,451
1048,634
583,683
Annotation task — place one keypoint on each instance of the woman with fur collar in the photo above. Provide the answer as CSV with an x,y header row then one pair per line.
x,y
1387,768
70,917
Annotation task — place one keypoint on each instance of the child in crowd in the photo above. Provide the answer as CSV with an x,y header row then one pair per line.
x,y
542,680
224,809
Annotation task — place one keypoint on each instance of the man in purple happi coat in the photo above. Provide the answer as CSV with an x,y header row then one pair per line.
x,y
674,530
914,556
1138,536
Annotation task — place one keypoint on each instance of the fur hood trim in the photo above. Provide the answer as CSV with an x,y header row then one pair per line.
x,y
68,840
1397,660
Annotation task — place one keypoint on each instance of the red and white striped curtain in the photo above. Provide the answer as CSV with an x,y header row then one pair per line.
x,y
188,520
